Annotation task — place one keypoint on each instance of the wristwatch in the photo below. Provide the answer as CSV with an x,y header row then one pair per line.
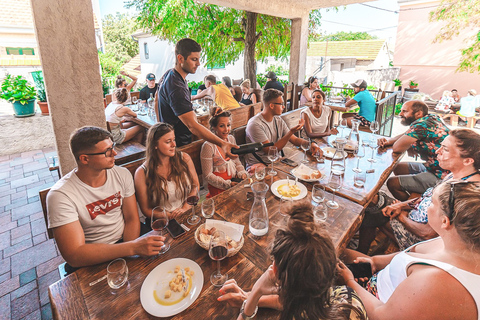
x,y
244,316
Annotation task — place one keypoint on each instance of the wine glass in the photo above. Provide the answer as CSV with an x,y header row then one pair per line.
x,y
359,153
218,250
272,156
208,208
343,124
335,183
305,145
192,200
284,205
318,193
317,156
134,102
260,173
320,213
159,222
373,145
374,126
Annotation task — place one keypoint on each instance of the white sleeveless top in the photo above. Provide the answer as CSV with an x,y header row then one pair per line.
x,y
110,112
319,125
174,200
396,271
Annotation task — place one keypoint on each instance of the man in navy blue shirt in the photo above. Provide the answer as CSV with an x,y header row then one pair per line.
x,y
174,100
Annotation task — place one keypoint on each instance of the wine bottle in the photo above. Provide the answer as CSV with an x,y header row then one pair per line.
x,y
251,147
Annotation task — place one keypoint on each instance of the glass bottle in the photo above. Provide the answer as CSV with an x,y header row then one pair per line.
x,y
258,219
150,102
354,136
338,160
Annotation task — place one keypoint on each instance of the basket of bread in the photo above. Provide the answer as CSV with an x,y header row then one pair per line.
x,y
235,239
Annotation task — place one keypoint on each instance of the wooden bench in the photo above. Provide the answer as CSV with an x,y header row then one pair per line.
x,y
129,151
254,109
240,137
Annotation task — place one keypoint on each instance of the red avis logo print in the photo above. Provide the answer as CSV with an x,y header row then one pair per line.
x,y
104,206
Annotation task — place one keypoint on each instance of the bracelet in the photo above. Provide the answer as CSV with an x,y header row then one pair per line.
x,y
242,313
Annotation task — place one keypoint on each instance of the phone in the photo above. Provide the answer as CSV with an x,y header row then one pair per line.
x,y
174,228
360,270
289,162
236,179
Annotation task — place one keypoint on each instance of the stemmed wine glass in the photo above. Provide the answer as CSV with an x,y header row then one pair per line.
x,y
193,200
134,102
272,156
208,208
359,153
306,144
335,183
218,250
373,145
343,124
159,222
374,126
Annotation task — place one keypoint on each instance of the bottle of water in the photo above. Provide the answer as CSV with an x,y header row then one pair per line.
x,y
258,219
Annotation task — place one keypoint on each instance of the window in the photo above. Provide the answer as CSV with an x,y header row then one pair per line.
x,y
21,51
145,50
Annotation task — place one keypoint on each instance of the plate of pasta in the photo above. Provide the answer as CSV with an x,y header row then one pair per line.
x,y
286,188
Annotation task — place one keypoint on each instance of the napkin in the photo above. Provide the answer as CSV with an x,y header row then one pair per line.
x,y
233,230
303,169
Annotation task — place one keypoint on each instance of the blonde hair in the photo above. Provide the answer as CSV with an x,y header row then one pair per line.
x,y
246,84
447,93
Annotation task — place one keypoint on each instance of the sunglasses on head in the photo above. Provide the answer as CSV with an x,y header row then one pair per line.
x,y
451,198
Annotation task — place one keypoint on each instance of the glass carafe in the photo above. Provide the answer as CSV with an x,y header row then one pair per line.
x,y
338,160
258,219
354,136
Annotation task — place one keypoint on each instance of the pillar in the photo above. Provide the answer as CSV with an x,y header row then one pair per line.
x,y
298,49
66,39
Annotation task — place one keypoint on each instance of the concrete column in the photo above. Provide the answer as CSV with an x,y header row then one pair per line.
x,y
298,49
66,39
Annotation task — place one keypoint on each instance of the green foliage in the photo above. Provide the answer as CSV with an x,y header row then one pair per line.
x,y
398,108
413,84
117,31
261,79
326,89
279,70
347,92
110,69
194,85
398,82
345,36
17,89
40,85
372,87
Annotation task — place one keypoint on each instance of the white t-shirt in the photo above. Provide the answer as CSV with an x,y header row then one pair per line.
x,y
318,125
99,210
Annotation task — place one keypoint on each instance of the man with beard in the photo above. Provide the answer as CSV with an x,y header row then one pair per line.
x,y
424,136
174,100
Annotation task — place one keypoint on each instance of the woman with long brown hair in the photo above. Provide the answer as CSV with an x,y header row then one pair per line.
x,y
310,86
167,177
300,280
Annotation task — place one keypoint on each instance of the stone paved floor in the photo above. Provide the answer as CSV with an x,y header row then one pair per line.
x,y
28,260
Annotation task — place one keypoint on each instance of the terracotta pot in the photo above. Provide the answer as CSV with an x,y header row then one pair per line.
x,y
44,108
413,87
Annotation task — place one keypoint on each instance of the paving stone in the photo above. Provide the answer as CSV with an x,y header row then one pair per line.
x,y
4,158
23,220
33,199
47,312
27,174
18,195
49,266
20,239
31,153
25,305
38,227
26,210
4,265
16,203
9,285
23,290
32,257
28,276
5,307
43,284
20,161
39,183
20,231
4,277
39,238
35,315
8,226
35,216
20,189
25,244
43,173
5,200
33,191
6,190
37,165
4,240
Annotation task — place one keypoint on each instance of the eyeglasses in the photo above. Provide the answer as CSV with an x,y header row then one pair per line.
x,y
451,197
279,103
107,153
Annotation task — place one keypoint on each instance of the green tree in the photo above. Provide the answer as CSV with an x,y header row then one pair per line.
x,y
224,33
345,36
117,32
458,16
110,69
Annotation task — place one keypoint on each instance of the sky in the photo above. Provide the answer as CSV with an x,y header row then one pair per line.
x,y
379,21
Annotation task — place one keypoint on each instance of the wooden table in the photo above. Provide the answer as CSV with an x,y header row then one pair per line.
x,y
73,298
386,162
147,121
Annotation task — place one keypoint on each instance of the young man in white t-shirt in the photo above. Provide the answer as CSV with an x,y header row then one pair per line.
x,y
92,210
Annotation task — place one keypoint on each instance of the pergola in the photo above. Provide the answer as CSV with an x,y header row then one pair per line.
x,y
66,39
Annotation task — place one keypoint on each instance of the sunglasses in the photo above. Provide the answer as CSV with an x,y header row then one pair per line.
x,y
451,197
106,153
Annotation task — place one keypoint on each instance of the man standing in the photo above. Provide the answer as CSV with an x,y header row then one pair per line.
x,y
218,93
174,101
365,101
149,89
424,136
272,82
92,210
267,127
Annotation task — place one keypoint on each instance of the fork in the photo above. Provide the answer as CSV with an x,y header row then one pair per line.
x,y
184,279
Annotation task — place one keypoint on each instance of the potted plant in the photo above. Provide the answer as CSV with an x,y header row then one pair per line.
x,y
20,94
398,84
41,94
413,85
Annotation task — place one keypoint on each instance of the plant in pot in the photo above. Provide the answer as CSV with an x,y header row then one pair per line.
x,y
413,85
22,95
398,84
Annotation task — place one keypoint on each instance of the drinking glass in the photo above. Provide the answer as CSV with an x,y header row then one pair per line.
x,y
374,126
193,200
373,145
335,183
117,273
141,108
208,208
306,144
320,213
359,153
134,102
317,156
284,205
218,250
260,173
272,156
359,179
318,193
159,222
343,124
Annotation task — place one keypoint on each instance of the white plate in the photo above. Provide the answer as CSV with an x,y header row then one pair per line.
x,y
276,184
295,170
159,278
329,152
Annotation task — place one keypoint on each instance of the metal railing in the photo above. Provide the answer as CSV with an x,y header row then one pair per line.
x,y
386,113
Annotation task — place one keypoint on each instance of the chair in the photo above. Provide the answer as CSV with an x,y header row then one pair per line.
x,y
43,200
240,116
193,149
287,96
254,109
240,137
108,99
238,93
297,93
237,82
258,94
291,118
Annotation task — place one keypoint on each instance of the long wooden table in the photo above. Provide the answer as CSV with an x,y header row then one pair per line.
x,y
73,298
